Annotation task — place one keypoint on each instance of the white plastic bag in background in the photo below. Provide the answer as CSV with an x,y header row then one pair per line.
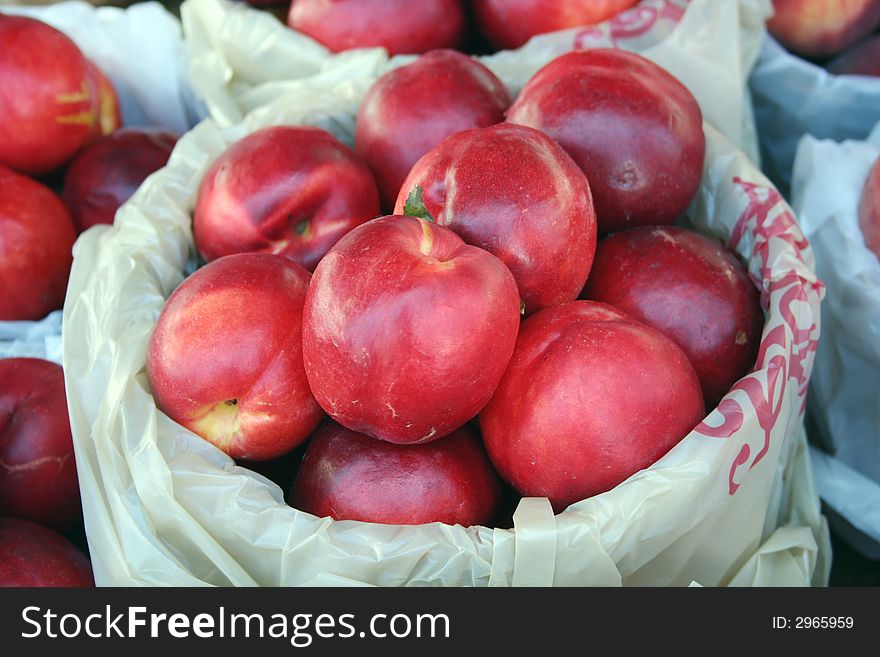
x,y
827,183
141,50
733,504
40,339
793,97
242,58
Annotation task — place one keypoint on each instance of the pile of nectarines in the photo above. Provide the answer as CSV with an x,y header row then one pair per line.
x,y
66,164
485,297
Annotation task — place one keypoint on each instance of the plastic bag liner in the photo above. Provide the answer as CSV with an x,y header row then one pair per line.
x,y
734,503
141,50
845,388
794,97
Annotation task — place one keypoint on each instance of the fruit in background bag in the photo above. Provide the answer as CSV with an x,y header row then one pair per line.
x,y
350,476
37,466
411,109
36,242
513,191
860,59
510,23
225,358
288,190
106,173
47,111
106,102
633,128
692,289
34,555
407,329
591,397
399,26
822,28
869,209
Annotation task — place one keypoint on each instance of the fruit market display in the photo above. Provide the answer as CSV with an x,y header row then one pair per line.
x,y
413,337
487,294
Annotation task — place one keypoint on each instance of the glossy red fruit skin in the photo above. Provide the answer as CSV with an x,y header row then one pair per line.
x,y
513,191
225,357
399,26
407,329
633,128
510,23
288,190
347,475
861,59
411,109
47,110
33,555
869,209
105,100
818,29
36,242
107,172
591,396
692,289
37,465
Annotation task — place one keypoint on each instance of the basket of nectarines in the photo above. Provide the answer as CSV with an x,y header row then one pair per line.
x,y
416,325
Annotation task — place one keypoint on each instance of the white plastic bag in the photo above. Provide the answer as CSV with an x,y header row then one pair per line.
x,y
40,339
794,97
141,50
827,184
733,503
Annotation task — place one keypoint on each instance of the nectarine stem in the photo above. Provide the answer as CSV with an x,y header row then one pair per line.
x,y
415,205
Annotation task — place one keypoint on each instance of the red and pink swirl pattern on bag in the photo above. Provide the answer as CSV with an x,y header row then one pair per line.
x,y
779,253
648,18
